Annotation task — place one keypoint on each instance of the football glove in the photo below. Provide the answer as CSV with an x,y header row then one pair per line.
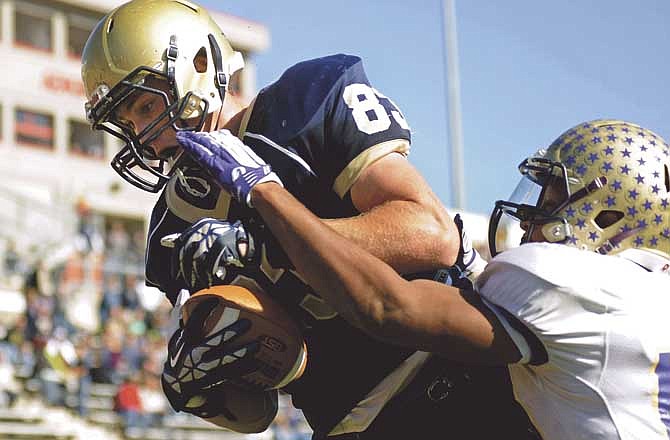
x,y
198,365
232,164
201,253
469,264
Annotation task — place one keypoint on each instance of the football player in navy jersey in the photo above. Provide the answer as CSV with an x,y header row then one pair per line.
x,y
578,312
340,147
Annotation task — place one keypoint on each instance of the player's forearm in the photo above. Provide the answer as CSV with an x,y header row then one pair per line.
x,y
405,234
358,285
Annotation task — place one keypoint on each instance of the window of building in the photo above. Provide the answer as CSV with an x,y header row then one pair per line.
x,y
84,141
32,26
35,129
79,28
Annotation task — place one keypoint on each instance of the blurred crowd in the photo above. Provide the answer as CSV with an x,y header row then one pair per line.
x,y
87,318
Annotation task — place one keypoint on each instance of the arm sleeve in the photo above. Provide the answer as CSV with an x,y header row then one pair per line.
x,y
517,337
518,298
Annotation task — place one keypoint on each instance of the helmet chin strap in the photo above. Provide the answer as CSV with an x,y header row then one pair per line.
x,y
221,82
220,77
171,56
613,242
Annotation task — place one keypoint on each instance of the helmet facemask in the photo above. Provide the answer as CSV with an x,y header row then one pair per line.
x,y
180,56
543,192
137,162
525,203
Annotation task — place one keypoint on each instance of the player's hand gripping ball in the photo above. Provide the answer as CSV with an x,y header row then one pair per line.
x,y
279,353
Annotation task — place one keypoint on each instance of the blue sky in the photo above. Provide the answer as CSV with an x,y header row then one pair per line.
x,y
529,71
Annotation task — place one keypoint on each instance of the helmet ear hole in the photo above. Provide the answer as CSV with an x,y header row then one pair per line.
x,y
607,218
200,61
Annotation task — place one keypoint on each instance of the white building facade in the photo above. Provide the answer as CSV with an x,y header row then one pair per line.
x,y
50,160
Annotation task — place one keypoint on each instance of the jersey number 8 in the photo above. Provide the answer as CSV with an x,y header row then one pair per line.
x,y
369,114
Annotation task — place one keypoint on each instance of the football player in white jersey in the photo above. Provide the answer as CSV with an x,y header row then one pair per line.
x,y
578,312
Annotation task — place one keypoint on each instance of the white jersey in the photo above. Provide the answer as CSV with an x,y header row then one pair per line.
x,y
604,323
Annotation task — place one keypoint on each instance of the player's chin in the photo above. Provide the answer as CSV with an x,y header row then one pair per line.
x,y
170,153
176,158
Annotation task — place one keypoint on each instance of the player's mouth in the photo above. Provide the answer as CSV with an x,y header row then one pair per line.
x,y
171,152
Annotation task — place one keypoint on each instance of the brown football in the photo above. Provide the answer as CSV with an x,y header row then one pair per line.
x,y
283,353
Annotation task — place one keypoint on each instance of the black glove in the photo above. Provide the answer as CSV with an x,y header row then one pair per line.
x,y
198,365
469,264
201,253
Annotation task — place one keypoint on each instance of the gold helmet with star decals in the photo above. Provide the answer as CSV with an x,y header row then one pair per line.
x,y
613,184
141,44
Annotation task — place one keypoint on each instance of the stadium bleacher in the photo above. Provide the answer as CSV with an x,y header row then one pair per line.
x,y
79,329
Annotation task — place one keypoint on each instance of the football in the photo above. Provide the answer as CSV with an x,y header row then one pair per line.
x,y
282,354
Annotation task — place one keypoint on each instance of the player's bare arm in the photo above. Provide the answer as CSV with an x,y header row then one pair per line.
x,y
370,294
366,291
403,222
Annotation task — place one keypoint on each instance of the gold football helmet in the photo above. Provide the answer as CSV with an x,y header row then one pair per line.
x,y
140,42
614,181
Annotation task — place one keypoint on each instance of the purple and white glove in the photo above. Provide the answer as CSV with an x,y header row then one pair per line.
x,y
234,165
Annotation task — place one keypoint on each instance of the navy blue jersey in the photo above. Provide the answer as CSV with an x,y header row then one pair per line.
x,y
319,126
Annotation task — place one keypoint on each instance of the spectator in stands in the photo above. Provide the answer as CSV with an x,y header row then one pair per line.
x,y
137,324
127,402
111,354
130,293
9,387
25,361
73,273
31,312
61,358
13,264
98,372
156,356
137,248
85,362
133,351
112,295
88,237
153,400
118,240
13,335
